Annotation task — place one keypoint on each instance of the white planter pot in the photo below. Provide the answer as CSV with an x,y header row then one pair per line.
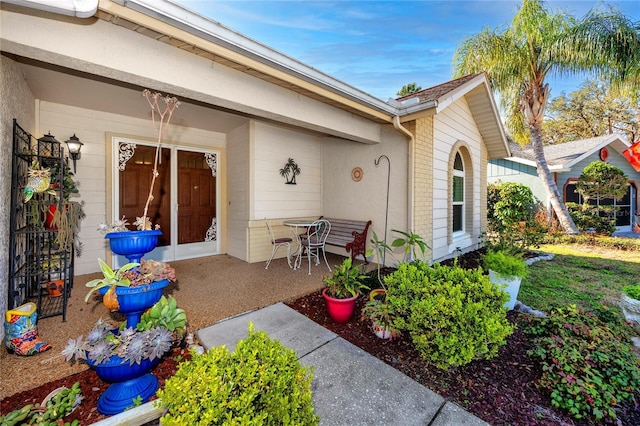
x,y
510,284
631,310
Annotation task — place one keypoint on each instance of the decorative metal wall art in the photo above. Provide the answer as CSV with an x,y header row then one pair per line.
x,y
290,171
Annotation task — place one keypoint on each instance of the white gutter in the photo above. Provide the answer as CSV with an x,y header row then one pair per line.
x,y
77,8
410,183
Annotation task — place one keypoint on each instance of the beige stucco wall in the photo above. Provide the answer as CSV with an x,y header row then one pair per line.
x,y
17,102
239,142
270,197
367,199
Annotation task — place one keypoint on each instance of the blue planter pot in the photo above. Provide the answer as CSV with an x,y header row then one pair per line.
x,y
133,244
134,301
128,383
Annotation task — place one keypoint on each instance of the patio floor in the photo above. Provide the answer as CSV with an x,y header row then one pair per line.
x,y
208,288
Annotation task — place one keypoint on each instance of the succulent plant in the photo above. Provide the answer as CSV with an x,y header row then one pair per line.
x,y
165,313
152,337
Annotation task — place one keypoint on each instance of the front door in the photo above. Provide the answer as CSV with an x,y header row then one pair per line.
x,y
184,204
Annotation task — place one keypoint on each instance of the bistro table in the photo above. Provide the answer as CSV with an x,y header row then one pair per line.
x,y
297,225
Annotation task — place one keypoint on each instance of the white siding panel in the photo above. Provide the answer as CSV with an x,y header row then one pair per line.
x,y
451,126
272,196
91,127
238,149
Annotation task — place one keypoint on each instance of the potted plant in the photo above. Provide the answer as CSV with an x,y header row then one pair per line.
x,y
342,290
630,304
380,313
507,270
124,355
412,243
134,244
133,288
67,220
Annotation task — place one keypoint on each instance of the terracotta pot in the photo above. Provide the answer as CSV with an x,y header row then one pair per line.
x,y
378,293
340,310
110,300
55,288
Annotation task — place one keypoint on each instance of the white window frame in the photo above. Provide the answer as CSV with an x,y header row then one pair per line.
x,y
459,173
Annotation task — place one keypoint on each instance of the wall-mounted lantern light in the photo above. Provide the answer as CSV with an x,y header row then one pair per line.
x,y
74,145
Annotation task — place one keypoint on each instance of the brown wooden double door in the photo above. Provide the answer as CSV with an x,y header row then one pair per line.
x,y
194,203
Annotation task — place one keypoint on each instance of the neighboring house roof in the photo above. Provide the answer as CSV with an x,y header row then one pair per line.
x,y
476,90
565,155
436,92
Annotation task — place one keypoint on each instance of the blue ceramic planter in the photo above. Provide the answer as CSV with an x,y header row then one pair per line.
x,y
128,383
134,301
133,244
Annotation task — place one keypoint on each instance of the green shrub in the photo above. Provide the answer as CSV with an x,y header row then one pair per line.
x,y
511,216
505,264
630,244
260,383
588,217
453,315
633,291
587,368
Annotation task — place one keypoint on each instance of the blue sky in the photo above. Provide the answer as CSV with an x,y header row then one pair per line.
x,y
379,46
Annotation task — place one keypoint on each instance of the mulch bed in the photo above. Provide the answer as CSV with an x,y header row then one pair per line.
x,y
501,391
92,387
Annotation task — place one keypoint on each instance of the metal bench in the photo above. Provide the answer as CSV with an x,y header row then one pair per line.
x,y
350,235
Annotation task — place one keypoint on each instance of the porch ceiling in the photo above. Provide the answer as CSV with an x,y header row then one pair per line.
x,y
52,83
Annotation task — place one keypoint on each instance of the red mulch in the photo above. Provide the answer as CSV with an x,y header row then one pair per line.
x,y
502,391
92,387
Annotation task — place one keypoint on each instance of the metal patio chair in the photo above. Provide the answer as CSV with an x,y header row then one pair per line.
x,y
277,243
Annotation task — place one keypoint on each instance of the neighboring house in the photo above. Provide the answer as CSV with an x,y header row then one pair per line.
x,y
566,161
245,109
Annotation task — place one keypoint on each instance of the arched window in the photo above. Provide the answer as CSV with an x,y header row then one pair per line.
x,y
458,209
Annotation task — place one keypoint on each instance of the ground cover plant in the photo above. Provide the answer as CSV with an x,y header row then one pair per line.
x,y
588,368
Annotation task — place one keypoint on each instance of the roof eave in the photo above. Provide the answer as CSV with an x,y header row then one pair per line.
x,y
249,52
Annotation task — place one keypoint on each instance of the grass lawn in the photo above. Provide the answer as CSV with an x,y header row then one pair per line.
x,y
589,276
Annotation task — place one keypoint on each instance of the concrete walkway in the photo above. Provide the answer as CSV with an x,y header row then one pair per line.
x,y
350,387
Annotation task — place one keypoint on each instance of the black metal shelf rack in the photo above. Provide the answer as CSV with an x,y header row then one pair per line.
x,y
36,261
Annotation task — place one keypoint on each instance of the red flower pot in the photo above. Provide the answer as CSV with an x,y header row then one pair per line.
x,y
340,310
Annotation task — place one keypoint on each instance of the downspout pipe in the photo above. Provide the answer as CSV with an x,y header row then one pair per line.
x,y
410,179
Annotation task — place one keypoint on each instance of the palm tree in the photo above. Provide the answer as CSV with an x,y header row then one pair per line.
x,y
538,43
408,89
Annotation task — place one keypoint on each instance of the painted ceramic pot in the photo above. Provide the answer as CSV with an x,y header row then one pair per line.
x,y
340,310
133,244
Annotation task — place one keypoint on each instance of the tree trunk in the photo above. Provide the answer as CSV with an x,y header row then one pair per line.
x,y
549,183
534,102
